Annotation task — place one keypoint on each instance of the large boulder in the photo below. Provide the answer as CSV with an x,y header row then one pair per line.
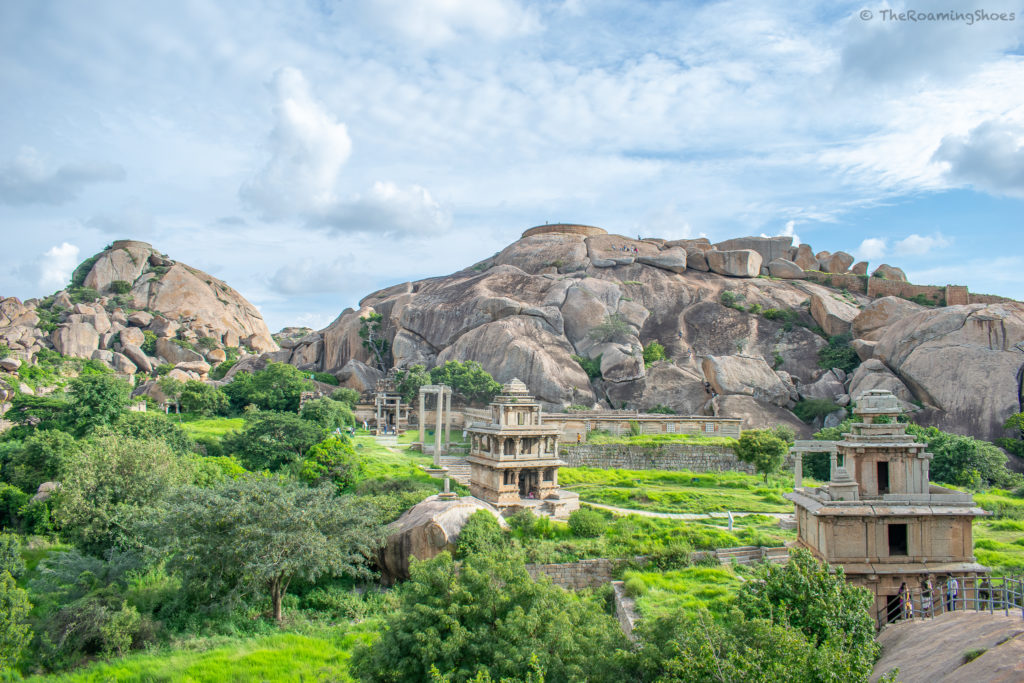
x,y
745,376
833,313
887,272
873,374
871,322
768,248
124,261
174,352
545,252
805,258
667,384
838,262
77,340
359,376
133,336
696,260
757,415
138,357
122,364
786,270
425,530
965,361
736,263
673,260
828,386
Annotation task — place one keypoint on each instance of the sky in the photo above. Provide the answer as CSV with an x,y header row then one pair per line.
x,y
309,152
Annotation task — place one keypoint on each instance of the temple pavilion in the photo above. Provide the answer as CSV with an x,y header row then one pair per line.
x,y
514,458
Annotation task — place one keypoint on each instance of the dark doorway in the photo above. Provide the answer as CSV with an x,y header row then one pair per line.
x,y
892,608
897,539
883,478
524,483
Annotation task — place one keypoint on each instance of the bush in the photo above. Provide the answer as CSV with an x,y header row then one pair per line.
x,y
661,409
481,534
653,352
149,343
731,300
278,386
468,380
205,399
5,351
838,354
349,397
587,523
162,369
271,440
120,286
10,555
15,632
635,587
222,369
808,409
327,413
591,366
326,378
332,460
207,343
613,328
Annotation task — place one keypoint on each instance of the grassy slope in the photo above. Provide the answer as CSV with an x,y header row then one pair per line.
x,y
217,427
684,590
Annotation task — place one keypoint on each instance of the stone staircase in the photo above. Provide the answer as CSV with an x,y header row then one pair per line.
x,y
458,468
752,554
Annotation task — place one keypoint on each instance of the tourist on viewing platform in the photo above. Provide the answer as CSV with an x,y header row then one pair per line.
x,y
906,610
952,590
926,596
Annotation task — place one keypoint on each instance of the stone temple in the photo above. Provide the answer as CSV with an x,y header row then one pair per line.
x,y
514,458
879,517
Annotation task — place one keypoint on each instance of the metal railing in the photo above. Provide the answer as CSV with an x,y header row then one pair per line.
x,y
993,595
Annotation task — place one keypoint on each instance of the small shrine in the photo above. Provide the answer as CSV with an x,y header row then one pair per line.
x,y
392,415
514,458
879,517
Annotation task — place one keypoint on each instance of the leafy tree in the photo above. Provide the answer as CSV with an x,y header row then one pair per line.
x,y
12,500
327,413
15,632
587,523
786,433
171,388
807,409
964,461
349,397
370,330
325,377
467,379
481,534
762,449
255,535
278,386
120,286
97,400
107,483
332,460
149,343
205,399
153,425
40,458
37,412
653,352
613,328
838,354
489,617
270,440
409,381
1016,445
10,555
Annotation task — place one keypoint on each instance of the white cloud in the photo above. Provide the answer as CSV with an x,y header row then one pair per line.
x,y
52,270
872,248
308,148
916,245
311,275
386,209
788,231
990,157
431,23
26,179
128,223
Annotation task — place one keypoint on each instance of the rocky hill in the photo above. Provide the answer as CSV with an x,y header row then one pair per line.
x,y
749,316
133,308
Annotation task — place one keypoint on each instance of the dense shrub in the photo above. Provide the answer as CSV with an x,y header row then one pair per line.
x,y
965,461
82,271
591,366
205,399
481,534
149,343
326,378
468,380
120,286
271,440
613,328
327,413
587,523
653,352
278,386
808,409
349,397
10,555
332,460
838,354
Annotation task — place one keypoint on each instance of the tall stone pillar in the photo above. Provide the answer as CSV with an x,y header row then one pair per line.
x,y
798,470
447,418
437,434
423,421
377,406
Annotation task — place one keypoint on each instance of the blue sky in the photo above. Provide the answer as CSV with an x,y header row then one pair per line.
x,y
311,152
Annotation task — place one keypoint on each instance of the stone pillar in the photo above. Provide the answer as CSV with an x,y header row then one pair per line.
x,y
423,421
798,470
832,469
437,434
518,445
377,406
448,418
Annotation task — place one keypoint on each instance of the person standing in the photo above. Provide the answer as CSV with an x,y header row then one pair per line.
x,y
904,596
926,596
952,590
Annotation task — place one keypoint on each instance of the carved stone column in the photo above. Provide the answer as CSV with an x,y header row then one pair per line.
x,y
423,421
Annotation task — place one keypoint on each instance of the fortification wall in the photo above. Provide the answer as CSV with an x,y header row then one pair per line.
x,y
695,458
567,228
878,287
577,575
847,281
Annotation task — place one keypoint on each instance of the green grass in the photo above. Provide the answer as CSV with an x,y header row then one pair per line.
x,y
316,656
217,427
999,544
686,590
1001,503
678,491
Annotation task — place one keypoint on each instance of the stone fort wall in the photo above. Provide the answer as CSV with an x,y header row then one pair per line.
x,y
565,228
674,456
577,575
875,287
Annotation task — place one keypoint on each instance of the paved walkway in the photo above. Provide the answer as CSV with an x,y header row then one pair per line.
x,y
684,515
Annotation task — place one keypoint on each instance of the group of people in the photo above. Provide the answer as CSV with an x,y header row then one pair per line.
x,y
951,590
627,248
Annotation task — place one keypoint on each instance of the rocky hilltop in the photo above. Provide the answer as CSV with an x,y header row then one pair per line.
x,y
743,322
133,308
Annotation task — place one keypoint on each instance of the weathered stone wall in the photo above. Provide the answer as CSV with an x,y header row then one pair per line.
x,y
675,456
878,287
847,281
576,575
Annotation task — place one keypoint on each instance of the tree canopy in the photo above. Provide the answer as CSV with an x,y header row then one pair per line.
x,y
467,379
278,386
270,440
96,400
763,449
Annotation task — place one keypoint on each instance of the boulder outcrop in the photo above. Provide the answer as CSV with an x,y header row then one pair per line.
x,y
889,273
786,270
833,313
736,263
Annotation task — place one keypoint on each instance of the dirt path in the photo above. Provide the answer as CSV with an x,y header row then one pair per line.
x,y
684,515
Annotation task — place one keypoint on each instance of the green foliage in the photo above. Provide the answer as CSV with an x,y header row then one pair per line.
x,y
731,300
207,343
838,354
96,400
149,343
468,380
763,449
525,524
82,271
587,523
653,352
613,328
591,366
786,433
634,428
922,300
661,409
635,586
152,425
171,388
332,460
162,369
40,412
374,341
105,485
327,413
11,501
271,440
40,458
205,399
807,409
489,617
5,351
277,387
349,397
255,535
10,555
222,369
964,461
182,343
120,286
409,381
326,378
15,632
481,535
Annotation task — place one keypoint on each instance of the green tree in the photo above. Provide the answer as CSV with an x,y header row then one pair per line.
x,y
374,341
409,381
467,379
762,449
489,617
327,413
153,425
481,534
587,523
964,461
270,440
349,397
107,483
653,352
12,501
149,343
591,366
1014,445
37,412
278,386
10,555
171,388
97,400
613,328
15,632
838,354
40,458
255,535
205,399
332,460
